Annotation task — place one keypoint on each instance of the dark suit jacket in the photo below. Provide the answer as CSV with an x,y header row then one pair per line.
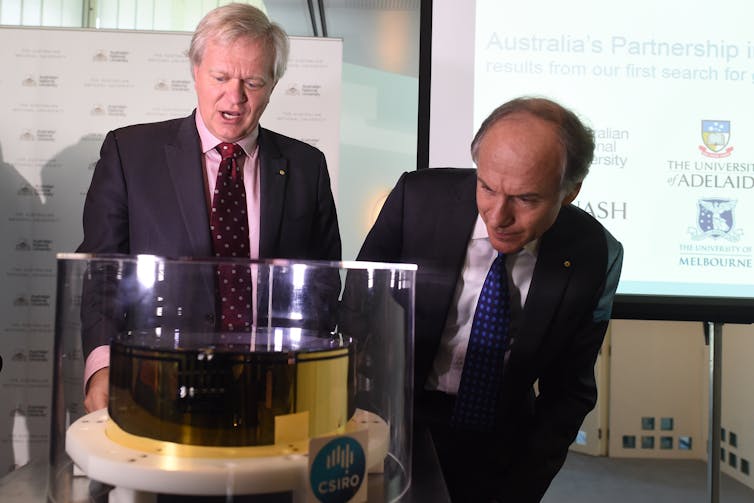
x,y
428,219
148,196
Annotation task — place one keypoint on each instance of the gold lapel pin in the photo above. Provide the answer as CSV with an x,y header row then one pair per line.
x,y
281,172
567,263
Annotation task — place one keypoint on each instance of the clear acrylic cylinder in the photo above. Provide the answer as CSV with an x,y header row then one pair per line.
x,y
310,402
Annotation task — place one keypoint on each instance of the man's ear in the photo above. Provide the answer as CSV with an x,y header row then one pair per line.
x,y
568,199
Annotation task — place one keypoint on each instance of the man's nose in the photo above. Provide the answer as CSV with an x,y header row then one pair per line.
x,y
236,90
503,213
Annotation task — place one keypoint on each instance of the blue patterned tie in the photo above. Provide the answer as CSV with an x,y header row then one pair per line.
x,y
483,368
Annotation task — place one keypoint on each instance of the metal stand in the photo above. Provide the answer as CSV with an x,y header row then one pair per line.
x,y
713,337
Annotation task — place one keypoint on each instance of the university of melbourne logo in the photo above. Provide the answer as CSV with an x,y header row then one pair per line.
x,y
715,135
338,470
715,220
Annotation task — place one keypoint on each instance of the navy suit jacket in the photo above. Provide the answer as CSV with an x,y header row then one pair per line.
x,y
148,196
428,220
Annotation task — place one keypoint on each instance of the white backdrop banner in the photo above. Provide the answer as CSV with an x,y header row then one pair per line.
x,y
63,90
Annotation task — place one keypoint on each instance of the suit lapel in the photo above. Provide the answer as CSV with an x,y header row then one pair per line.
x,y
440,253
459,222
273,180
184,165
183,158
442,249
549,281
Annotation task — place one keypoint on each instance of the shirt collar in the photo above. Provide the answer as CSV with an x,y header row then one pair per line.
x,y
248,143
480,232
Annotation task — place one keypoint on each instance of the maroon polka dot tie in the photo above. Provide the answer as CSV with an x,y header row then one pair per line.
x,y
229,224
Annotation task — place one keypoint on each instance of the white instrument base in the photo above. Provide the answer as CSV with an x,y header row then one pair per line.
x,y
134,472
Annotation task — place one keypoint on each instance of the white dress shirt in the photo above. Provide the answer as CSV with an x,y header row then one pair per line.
x,y
448,365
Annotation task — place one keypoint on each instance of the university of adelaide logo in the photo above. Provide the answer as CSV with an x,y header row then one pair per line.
x,y
715,220
715,135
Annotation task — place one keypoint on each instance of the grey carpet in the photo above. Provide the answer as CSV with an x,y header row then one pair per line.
x,y
595,479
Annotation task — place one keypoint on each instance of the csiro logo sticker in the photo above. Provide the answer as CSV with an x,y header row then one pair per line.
x,y
337,468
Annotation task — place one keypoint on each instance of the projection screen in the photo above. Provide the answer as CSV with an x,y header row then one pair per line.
x,y
667,88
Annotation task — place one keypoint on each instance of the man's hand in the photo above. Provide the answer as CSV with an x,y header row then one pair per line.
x,y
97,390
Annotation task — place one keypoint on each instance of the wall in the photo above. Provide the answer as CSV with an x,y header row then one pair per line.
x,y
737,403
657,390
659,393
